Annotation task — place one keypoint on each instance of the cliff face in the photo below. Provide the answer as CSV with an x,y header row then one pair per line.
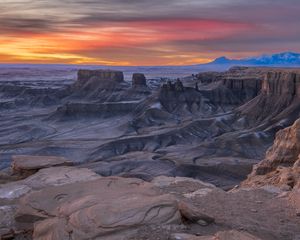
x,y
233,87
279,99
286,147
104,75
244,88
282,163
96,84
175,98
91,80
284,152
282,83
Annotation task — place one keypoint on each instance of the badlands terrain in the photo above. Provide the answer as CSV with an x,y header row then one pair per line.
x,y
214,155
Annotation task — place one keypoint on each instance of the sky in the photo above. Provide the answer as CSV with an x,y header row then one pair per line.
x,y
145,32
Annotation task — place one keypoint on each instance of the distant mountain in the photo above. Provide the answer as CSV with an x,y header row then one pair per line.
x,y
279,59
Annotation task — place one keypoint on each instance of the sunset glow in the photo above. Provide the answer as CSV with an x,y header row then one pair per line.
x,y
141,33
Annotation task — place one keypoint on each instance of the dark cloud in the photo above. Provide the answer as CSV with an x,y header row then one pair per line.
x,y
26,25
56,13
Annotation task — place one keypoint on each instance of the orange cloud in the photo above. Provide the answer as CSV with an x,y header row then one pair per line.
x,y
78,45
143,32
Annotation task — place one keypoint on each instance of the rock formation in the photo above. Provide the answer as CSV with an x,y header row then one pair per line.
x,y
27,165
63,202
139,80
282,83
236,86
99,75
281,165
243,88
177,99
279,98
178,86
93,84
47,177
113,207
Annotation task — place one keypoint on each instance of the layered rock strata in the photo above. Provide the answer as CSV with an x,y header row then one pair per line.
x,y
281,165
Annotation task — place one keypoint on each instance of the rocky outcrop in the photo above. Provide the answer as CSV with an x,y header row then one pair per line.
x,y
26,165
175,98
209,77
94,207
243,88
7,220
111,208
15,96
241,84
177,86
279,100
84,76
139,80
282,163
96,84
221,97
192,214
233,87
285,150
44,178
54,176
282,83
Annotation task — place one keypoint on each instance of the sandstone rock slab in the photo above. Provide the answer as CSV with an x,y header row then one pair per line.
x,y
54,176
26,164
192,214
97,209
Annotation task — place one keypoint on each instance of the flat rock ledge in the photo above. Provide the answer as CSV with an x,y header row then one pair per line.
x,y
26,165
54,176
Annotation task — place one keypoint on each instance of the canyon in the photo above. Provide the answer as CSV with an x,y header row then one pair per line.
x,y
213,155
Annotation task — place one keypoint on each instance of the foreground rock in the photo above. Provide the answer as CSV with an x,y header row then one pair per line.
x,y
281,167
54,176
27,165
59,204
7,220
11,192
114,207
224,235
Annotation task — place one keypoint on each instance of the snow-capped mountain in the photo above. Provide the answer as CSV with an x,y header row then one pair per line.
x,y
279,59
